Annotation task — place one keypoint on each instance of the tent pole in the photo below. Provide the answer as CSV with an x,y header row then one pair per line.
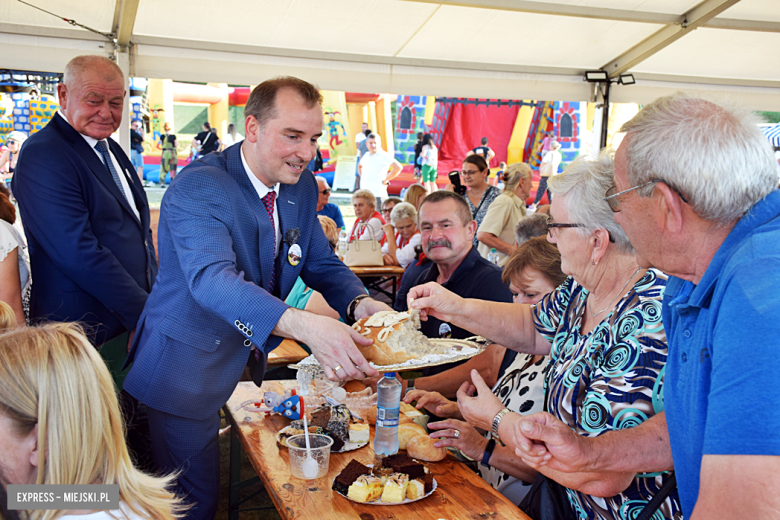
x,y
604,117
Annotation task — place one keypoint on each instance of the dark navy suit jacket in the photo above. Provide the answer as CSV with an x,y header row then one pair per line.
x,y
92,259
211,301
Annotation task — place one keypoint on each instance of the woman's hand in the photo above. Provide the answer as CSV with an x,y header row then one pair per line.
x,y
460,435
478,411
431,298
389,230
389,260
434,402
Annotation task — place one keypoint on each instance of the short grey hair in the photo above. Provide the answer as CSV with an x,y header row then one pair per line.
x,y
583,183
514,174
401,211
323,179
714,156
531,226
79,64
366,195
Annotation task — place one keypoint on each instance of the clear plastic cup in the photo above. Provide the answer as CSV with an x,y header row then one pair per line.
x,y
320,452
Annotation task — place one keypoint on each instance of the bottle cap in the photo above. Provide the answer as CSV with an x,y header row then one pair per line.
x,y
389,375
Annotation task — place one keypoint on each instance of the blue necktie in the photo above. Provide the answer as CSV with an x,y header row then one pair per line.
x,y
101,147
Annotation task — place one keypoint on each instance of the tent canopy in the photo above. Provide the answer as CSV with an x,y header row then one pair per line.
x,y
513,49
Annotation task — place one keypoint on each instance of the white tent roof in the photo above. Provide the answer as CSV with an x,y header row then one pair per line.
x,y
472,48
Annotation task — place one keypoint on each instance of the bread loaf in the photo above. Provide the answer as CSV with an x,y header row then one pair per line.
x,y
396,338
407,432
421,448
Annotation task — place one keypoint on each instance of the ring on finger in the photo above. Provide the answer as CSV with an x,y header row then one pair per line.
x,y
456,435
338,368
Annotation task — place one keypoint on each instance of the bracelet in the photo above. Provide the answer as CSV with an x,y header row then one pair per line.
x,y
496,421
488,453
351,308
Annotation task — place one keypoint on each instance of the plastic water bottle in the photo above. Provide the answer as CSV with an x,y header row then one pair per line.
x,y
388,403
343,243
493,256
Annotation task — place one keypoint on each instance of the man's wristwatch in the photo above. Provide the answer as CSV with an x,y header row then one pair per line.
x,y
409,386
496,421
488,453
352,306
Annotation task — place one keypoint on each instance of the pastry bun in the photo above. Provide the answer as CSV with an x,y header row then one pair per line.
x,y
421,448
408,431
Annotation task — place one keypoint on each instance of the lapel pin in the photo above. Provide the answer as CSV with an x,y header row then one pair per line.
x,y
294,255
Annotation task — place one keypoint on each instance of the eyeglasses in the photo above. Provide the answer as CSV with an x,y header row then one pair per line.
x,y
387,210
614,204
325,192
552,225
470,172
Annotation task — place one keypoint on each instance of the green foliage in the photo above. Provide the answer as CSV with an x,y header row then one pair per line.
x,y
769,117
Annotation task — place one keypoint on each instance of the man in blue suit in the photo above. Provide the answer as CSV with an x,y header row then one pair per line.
x,y
237,228
86,216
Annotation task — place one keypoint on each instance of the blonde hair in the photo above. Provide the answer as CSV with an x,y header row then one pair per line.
x,y
366,195
330,229
50,376
7,317
514,174
413,193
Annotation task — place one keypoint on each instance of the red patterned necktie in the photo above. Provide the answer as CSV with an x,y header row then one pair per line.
x,y
268,202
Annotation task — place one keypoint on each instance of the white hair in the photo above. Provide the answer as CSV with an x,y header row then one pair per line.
x,y
321,178
401,211
78,65
584,183
366,195
514,174
715,157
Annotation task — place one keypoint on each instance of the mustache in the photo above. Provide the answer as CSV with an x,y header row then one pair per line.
x,y
436,243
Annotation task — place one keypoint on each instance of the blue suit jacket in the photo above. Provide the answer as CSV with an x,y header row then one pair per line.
x,y
92,260
210,303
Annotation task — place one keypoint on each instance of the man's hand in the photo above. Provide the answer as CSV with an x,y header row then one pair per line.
x,y
433,299
542,440
478,411
333,344
368,307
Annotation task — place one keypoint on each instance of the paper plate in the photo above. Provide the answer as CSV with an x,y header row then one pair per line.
x,y
348,446
380,503
460,349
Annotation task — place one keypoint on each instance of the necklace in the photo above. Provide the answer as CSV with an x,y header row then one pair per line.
x,y
616,297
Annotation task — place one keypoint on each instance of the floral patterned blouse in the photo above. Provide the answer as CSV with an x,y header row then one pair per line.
x,y
608,379
484,203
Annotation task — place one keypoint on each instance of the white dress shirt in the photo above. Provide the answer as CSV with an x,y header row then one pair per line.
x,y
127,192
262,190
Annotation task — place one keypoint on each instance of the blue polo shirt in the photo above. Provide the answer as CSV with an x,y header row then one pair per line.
x,y
721,386
475,277
332,211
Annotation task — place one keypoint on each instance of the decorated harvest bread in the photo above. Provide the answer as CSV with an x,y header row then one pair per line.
x,y
421,447
396,338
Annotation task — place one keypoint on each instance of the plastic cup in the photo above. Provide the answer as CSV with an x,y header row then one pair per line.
x,y
320,452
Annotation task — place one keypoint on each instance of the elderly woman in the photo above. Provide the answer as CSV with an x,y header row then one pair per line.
x,y
497,230
364,203
403,227
70,432
533,270
602,329
479,195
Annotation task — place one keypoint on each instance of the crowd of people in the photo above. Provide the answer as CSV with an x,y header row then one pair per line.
x,y
631,322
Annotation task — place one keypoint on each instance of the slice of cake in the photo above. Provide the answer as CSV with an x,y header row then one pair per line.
x,y
395,488
358,433
366,488
415,490
349,475
427,480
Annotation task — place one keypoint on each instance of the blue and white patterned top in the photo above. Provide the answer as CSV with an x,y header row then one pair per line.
x,y
491,192
608,379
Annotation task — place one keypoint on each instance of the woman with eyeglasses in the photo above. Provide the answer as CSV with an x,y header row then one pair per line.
x,y
602,329
497,230
479,194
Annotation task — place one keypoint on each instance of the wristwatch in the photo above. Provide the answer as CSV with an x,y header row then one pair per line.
x,y
409,386
496,421
488,453
352,306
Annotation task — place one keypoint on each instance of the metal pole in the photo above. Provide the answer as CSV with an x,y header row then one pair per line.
x,y
605,116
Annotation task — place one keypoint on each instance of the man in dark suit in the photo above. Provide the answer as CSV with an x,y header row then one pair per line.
x,y
86,215
237,228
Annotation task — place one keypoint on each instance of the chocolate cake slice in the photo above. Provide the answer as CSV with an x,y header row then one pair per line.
x,y
427,480
349,475
403,463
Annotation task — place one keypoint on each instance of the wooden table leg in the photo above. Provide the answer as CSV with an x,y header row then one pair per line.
x,y
235,473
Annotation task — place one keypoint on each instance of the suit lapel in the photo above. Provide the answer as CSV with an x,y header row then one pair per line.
x,y
265,231
99,169
287,206
139,195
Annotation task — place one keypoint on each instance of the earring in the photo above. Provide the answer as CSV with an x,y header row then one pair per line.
x,y
594,263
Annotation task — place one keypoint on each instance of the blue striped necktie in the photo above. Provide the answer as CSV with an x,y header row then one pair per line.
x,y
101,147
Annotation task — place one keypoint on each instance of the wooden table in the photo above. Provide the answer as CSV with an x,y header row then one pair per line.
x,y
288,352
384,273
461,494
